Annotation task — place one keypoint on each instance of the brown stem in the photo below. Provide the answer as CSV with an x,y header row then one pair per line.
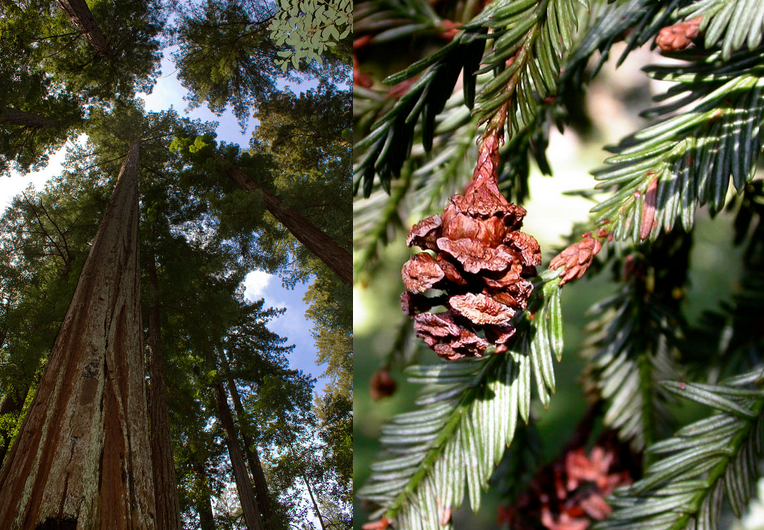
x,y
80,16
250,449
165,484
84,443
322,246
315,505
13,116
243,484
204,500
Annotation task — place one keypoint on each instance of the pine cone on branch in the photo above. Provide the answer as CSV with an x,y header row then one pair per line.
x,y
480,260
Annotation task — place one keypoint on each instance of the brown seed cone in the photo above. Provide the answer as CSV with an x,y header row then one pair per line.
x,y
576,258
570,492
481,262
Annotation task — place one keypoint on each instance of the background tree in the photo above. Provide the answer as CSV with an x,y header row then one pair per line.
x,y
497,322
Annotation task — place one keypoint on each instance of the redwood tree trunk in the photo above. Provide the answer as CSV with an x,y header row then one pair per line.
x,y
24,119
334,256
243,485
255,467
204,501
165,484
80,16
82,457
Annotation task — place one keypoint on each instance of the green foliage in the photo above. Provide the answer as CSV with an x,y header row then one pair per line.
x,y
709,135
704,463
535,38
224,57
416,147
450,443
310,28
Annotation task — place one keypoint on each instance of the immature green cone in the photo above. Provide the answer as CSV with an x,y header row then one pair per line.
x,y
481,261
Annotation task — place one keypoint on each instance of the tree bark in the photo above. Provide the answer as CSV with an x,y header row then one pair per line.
x,y
243,485
204,501
80,16
13,402
315,504
255,467
325,248
82,458
13,116
165,484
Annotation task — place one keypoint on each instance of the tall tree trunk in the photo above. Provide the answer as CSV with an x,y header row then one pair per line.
x,y
12,402
315,504
335,257
204,501
243,485
253,459
165,485
13,116
80,16
82,458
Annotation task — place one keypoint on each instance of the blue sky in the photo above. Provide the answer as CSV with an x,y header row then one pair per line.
x,y
167,93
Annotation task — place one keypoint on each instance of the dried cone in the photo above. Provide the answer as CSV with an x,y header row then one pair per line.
x,y
481,261
576,258
570,492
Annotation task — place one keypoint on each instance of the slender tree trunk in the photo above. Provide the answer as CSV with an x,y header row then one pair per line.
x,y
204,501
82,458
243,485
13,116
253,459
315,504
80,16
165,485
13,402
325,248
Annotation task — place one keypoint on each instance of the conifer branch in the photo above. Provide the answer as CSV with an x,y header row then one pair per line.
x,y
708,136
531,40
467,417
702,464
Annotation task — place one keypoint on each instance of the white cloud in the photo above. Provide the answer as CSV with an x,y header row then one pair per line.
x,y
255,283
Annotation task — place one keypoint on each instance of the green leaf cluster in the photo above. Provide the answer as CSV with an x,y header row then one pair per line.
x,y
309,28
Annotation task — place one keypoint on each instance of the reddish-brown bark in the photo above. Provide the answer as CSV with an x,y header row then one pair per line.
x,y
13,116
165,484
82,456
322,246
243,484
81,18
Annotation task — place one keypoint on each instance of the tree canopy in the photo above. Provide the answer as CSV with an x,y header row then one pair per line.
x,y
73,71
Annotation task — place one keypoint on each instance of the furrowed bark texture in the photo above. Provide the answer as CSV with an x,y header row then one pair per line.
x,y
80,16
82,456
165,484
243,485
253,459
24,119
334,256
